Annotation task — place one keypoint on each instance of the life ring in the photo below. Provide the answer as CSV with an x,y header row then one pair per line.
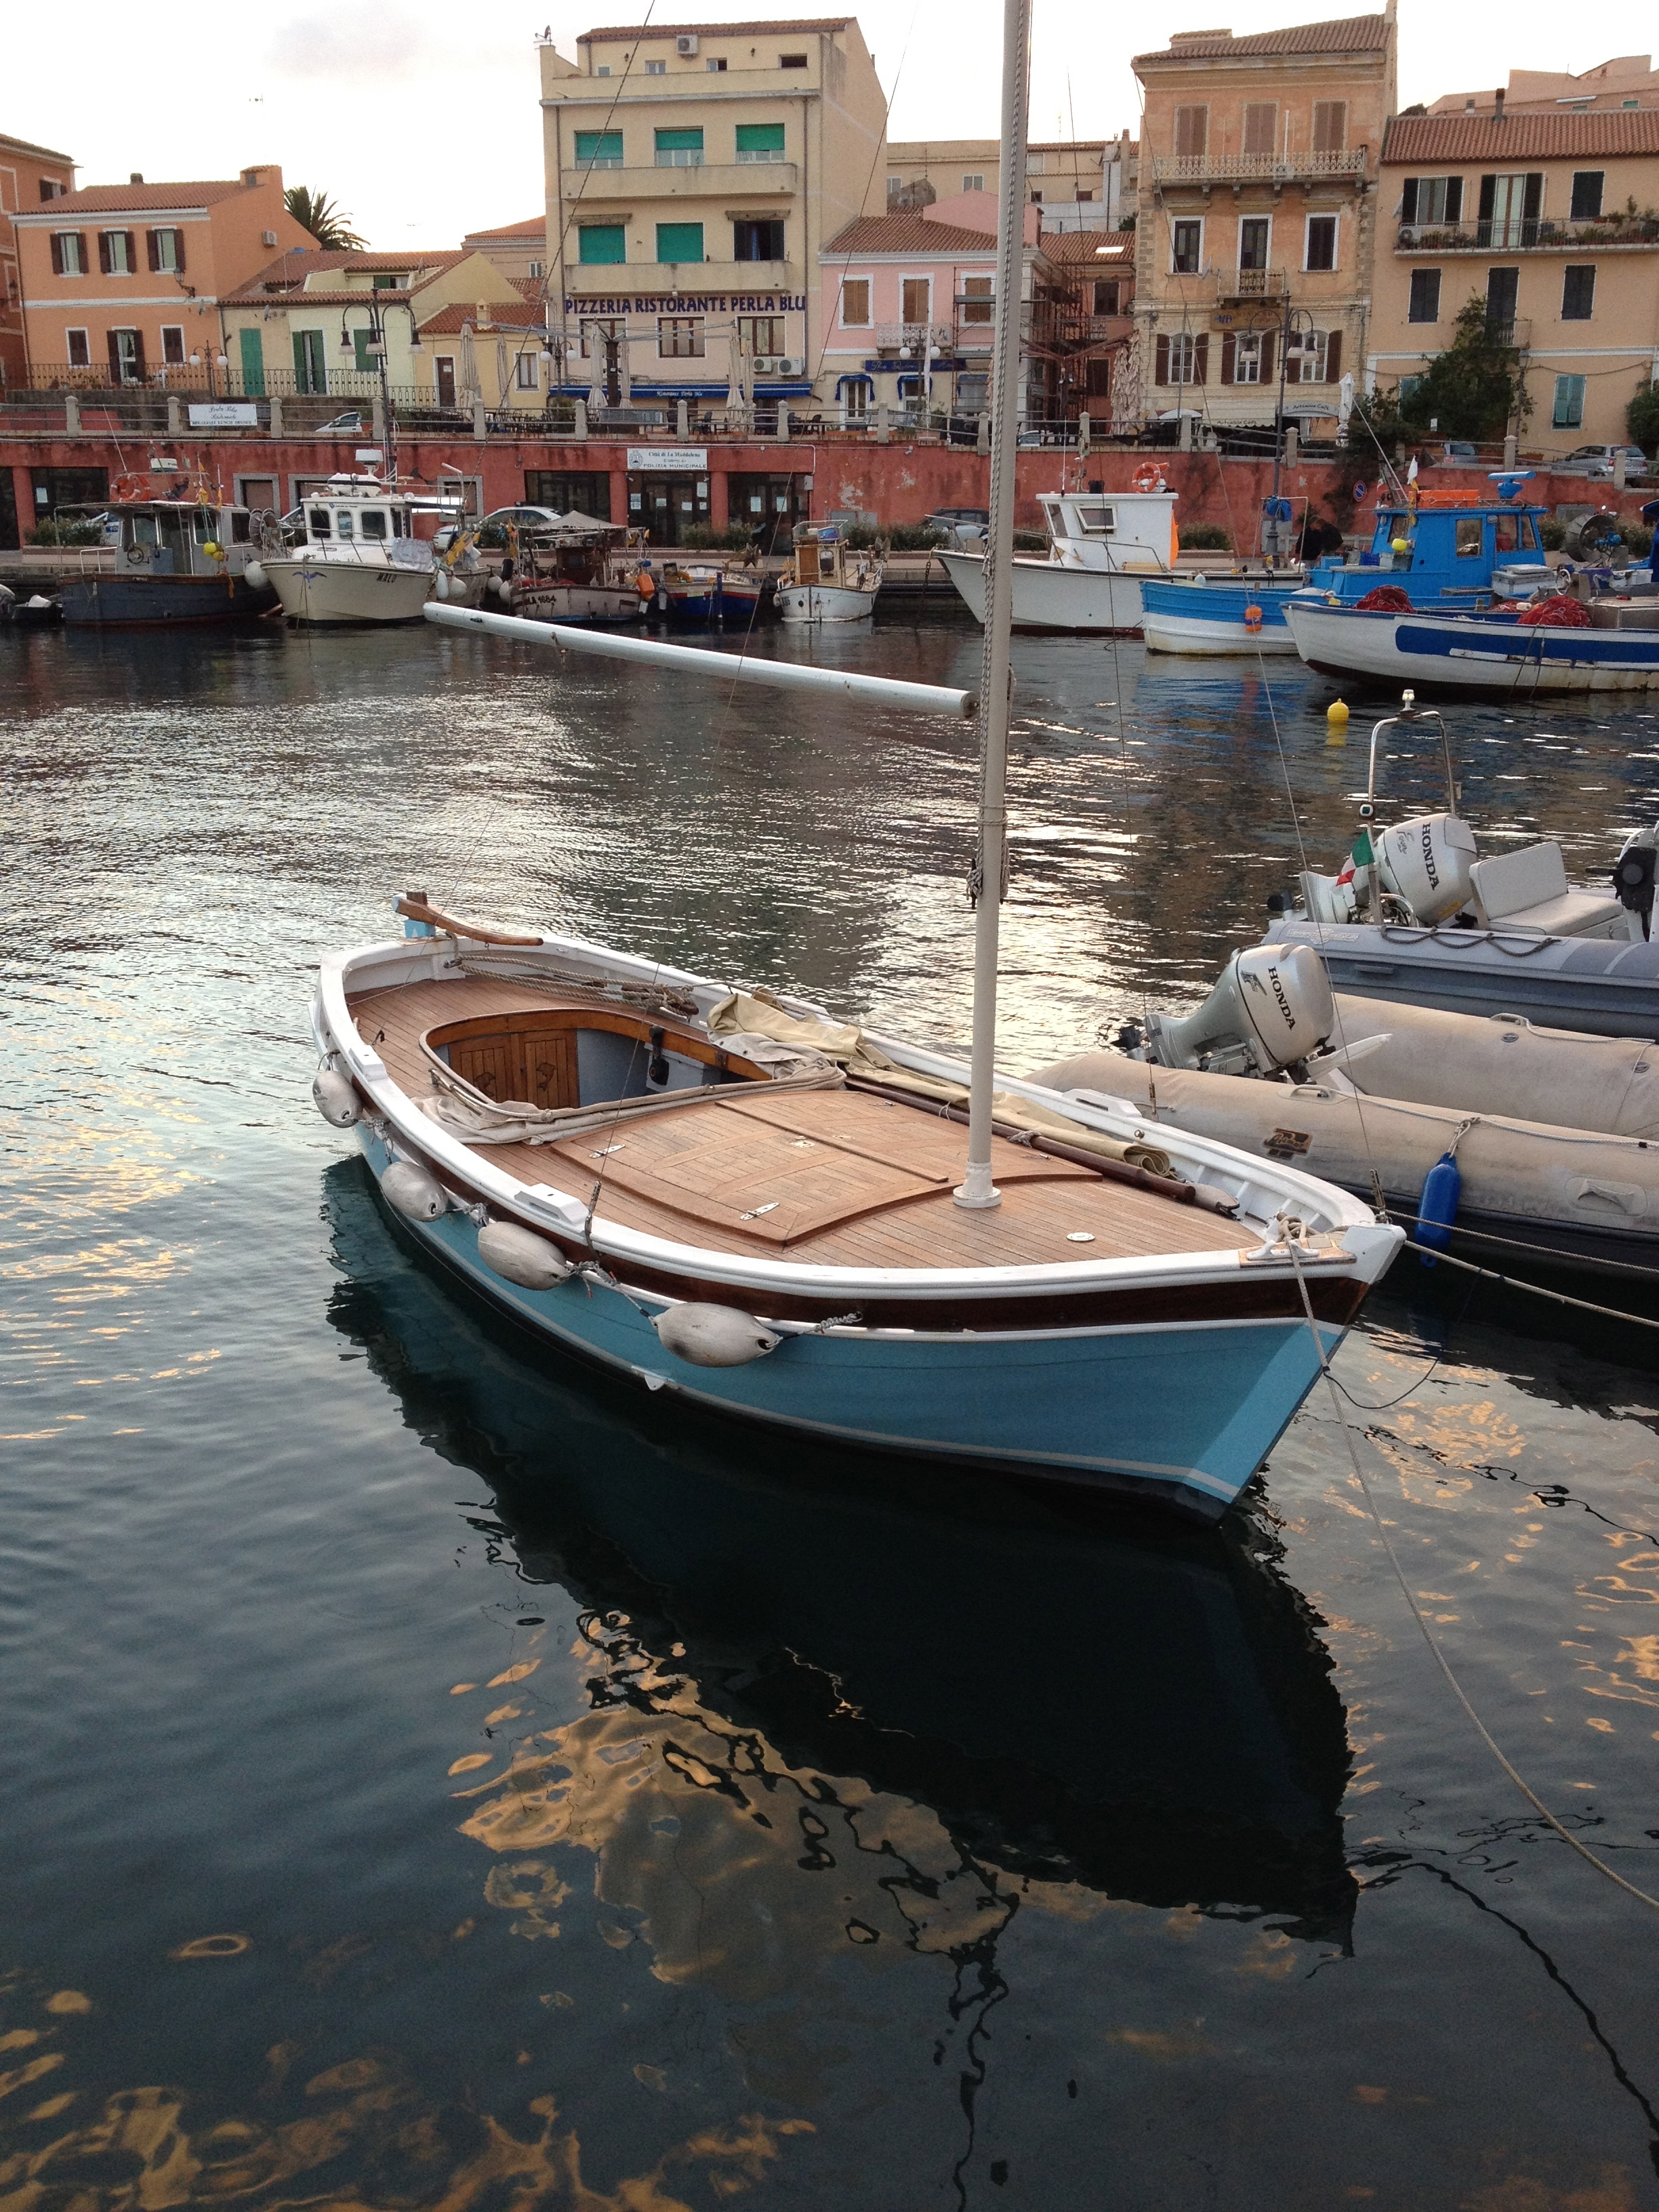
x,y
129,489
1149,477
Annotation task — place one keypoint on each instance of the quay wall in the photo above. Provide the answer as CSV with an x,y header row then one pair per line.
x,y
896,483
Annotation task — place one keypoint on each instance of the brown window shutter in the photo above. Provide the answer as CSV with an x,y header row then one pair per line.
x,y
57,255
1202,357
1267,356
1260,125
80,251
132,251
1228,344
1161,371
1334,357
1330,125
152,241
178,251
103,252
1192,131
139,354
114,358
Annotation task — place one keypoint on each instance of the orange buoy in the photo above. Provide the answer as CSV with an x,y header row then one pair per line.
x,y
1253,616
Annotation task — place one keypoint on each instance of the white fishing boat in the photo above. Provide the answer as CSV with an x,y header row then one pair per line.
x,y
577,569
827,580
727,1193
349,554
1101,546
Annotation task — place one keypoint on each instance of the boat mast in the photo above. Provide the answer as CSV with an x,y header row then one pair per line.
x,y
986,885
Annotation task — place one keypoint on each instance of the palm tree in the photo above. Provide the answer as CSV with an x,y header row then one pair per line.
x,y
317,213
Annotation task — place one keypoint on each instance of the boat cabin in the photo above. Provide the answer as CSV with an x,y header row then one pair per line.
x,y
1111,530
1449,551
359,511
171,537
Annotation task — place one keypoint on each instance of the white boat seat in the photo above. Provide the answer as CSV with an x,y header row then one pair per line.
x,y
1528,889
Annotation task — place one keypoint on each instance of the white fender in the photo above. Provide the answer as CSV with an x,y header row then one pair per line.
x,y
416,1195
335,1099
440,586
519,1255
255,574
713,1336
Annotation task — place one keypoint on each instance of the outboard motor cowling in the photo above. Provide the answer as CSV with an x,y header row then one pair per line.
x,y
1271,1007
1426,862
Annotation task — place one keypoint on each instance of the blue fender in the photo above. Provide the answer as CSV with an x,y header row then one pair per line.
x,y
1436,1206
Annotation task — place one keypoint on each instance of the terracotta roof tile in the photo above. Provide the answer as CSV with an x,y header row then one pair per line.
x,y
117,199
505,316
1351,34
534,226
908,234
291,270
1103,249
1526,136
26,146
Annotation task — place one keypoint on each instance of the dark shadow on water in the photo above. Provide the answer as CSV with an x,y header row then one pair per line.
x,y
1079,1697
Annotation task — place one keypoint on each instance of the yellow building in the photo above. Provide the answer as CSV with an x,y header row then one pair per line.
x,y
518,250
1258,168
693,172
1077,182
1547,219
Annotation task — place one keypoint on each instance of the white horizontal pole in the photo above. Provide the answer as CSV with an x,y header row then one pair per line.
x,y
722,667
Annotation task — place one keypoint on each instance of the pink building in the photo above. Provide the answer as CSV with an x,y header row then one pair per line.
x,y
907,308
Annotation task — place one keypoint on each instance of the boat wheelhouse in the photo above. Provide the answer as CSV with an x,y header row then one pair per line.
x,y
351,553
166,562
1102,547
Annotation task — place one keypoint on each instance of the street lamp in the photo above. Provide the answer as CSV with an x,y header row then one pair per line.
x,y
375,350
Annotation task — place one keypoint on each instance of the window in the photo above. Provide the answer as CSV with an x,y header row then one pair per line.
x,y
1408,385
599,242
1509,208
716,64
895,186
1182,358
126,357
598,149
1577,294
1569,413
51,188
1469,533
1098,377
535,269
760,142
757,238
310,362
855,399
443,370
916,299
597,330
364,355
1430,200
1587,194
166,251
680,150
1247,358
1260,125
1315,358
80,353
385,280
115,252
173,344
1330,125
1192,132
761,334
975,182
1186,248
1502,289
1322,242
1108,291
373,519
679,241
69,253
1254,233
319,523
679,337
1425,296
604,69
978,300
656,69
855,303
526,372
589,491
792,61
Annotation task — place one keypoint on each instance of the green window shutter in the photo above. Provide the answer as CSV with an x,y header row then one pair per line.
x,y
253,364
679,241
360,340
598,146
679,142
603,241
759,137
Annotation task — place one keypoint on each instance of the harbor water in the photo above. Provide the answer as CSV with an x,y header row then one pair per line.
x,y
436,1780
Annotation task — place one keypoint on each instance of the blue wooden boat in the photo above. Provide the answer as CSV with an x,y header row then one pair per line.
x,y
1491,651
1454,545
168,562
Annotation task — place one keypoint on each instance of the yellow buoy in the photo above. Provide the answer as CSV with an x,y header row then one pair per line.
x,y
1399,545
1336,722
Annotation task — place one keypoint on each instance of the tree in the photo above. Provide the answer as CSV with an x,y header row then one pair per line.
x,y
1475,389
1642,417
317,213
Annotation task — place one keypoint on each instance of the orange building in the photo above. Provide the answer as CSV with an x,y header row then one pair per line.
x,y
28,175
122,282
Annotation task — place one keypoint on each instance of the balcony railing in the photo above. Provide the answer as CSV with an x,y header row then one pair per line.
x,y
1531,234
1251,284
892,337
1259,168
678,157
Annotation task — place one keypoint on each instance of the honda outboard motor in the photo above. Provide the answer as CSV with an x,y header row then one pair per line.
x,y
1426,862
1271,1007
1633,875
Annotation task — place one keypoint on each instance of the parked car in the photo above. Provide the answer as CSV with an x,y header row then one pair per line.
x,y
1596,461
963,528
492,531
349,424
1458,453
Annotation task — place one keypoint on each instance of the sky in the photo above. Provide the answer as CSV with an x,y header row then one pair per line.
x,y
421,119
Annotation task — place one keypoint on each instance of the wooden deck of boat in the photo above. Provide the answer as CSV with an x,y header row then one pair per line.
x,y
835,1177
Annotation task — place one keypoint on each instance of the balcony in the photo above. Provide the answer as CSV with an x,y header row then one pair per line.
x,y
1539,235
599,187
1349,163
893,338
1251,284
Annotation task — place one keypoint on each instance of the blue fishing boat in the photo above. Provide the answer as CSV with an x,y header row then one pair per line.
x,y
167,561
1615,649
1443,550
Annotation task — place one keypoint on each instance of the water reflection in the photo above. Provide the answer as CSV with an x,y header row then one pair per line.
x,y
794,1666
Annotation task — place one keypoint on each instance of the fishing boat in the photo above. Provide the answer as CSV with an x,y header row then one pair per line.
x,y
578,569
1438,550
687,593
827,580
741,595
1611,644
349,554
1101,548
173,560
727,1193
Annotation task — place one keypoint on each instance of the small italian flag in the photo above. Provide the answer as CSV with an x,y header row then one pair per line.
x,y
1360,858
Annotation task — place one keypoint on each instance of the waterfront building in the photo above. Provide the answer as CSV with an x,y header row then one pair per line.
x,y
121,283
518,250
1077,182
1547,218
307,324
30,177
695,172
1082,327
1259,167
1630,81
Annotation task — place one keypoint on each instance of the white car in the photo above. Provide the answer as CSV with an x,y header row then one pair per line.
x,y
1596,461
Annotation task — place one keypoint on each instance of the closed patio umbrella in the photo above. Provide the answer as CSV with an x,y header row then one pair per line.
x,y
470,390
